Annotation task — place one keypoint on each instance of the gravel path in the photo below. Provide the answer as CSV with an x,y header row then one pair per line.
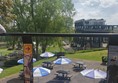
x,y
76,76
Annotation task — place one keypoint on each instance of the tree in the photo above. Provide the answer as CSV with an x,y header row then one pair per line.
x,y
6,14
43,16
55,16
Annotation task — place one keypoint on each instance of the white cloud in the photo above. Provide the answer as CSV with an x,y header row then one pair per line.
x,y
88,15
95,14
108,3
112,20
90,3
102,3
97,9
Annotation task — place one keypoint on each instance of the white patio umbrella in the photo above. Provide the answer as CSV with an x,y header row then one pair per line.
x,y
47,54
62,60
94,73
2,29
21,61
40,71
1,70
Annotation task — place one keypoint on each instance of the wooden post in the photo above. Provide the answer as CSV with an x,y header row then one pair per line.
x,y
28,63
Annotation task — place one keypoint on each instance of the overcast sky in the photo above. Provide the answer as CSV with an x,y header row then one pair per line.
x,y
97,9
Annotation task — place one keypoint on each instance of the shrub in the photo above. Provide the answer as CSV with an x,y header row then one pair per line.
x,y
10,63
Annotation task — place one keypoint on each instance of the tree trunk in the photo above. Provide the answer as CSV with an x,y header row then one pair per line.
x,y
13,43
43,48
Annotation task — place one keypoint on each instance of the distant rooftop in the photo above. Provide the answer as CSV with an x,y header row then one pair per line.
x,y
90,22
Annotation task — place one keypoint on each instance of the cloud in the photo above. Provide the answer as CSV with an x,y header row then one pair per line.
x,y
108,3
112,20
97,9
90,3
100,3
88,15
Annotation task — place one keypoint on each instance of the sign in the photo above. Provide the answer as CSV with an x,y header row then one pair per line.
x,y
27,49
28,63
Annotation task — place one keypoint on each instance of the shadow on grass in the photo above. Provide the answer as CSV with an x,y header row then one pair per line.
x,y
91,50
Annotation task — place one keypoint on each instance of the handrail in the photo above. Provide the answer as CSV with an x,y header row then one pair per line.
x,y
61,34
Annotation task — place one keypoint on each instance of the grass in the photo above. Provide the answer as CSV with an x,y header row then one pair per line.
x,y
16,69
94,54
4,51
11,71
54,49
91,55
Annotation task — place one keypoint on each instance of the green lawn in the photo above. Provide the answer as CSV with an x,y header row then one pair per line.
x,y
16,69
84,54
4,51
92,55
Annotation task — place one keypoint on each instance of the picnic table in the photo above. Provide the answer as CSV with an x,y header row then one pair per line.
x,y
79,65
47,64
63,75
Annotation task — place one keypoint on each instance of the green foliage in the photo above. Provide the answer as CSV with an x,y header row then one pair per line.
x,y
55,49
4,51
6,14
44,16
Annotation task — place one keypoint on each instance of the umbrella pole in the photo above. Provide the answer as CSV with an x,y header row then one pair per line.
x,y
94,81
38,80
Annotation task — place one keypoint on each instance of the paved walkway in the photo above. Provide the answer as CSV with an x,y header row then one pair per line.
x,y
76,76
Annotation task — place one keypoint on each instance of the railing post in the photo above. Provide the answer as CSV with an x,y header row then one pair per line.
x,y
112,66
28,63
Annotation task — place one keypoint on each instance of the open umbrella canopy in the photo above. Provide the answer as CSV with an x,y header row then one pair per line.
x,y
2,29
47,54
1,70
21,61
94,73
60,61
40,71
